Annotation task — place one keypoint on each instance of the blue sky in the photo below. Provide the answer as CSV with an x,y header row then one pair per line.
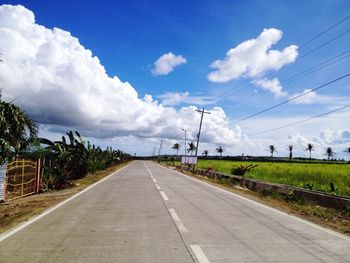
x,y
129,36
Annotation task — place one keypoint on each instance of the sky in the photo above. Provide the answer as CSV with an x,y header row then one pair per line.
x,y
132,73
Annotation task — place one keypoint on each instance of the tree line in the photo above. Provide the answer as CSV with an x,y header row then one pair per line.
x,y
329,152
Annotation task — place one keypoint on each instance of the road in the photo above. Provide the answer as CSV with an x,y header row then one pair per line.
x,y
148,213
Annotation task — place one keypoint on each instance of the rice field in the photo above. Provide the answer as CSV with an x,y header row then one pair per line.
x,y
305,175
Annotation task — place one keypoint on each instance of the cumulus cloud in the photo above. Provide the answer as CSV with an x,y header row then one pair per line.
x,y
309,98
253,57
325,138
272,85
176,98
59,83
166,63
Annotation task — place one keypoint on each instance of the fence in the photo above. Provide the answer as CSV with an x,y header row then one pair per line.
x,y
2,182
23,178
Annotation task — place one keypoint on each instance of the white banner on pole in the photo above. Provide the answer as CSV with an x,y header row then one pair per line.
x,y
189,160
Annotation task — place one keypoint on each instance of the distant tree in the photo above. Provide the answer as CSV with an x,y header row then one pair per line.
x,y
272,150
310,148
290,148
347,150
220,150
191,148
205,153
329,152
176,147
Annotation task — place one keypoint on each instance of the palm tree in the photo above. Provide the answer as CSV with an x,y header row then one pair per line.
x,y
220,150
272,149
17,130
205,153
290,148
176,147
191,148
310,147
347,150
329,152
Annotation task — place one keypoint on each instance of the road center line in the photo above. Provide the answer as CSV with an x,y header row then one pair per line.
x,y
202,258
158,187
261,205
178,221
149,172
154,180
164,196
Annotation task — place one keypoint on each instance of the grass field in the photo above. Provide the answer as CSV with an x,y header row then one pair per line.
x,y
316,176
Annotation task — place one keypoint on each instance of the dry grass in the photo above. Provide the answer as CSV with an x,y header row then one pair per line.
x,y
17,211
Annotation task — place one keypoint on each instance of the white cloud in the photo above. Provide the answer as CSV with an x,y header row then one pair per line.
x,y
337,139
176,98
272,85
63,86
166,63
253,57
309,98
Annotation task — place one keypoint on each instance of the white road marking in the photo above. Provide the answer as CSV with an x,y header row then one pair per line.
x,y
178,221
149,172
164,196
261,205
16,229
158,187
202,258
154,180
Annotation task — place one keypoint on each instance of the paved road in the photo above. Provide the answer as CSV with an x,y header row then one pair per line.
x,y
147,213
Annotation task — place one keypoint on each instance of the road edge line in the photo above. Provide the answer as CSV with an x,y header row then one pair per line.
x,y
329,231
30,221
198,252
179,224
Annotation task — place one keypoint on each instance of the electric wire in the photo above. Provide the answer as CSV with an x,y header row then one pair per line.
x,y
315,68
298,122
308,71
293,98
302,46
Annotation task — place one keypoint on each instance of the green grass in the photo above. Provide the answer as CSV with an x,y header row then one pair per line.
x,y
295,174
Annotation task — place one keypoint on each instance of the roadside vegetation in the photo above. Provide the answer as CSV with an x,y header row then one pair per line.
x,y
62,161
305,175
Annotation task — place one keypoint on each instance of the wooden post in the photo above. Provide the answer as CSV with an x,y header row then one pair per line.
x,y
22,177
37,188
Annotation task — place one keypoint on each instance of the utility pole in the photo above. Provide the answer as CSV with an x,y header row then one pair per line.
x,y
160,147
185,139
200,127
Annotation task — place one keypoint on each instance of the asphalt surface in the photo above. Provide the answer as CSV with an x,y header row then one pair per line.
x,y
148,213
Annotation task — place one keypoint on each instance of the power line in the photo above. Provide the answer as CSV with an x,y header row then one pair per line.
x,y
298,122
317,67
293,98
303,45
310,70
302,74
324,44
324,31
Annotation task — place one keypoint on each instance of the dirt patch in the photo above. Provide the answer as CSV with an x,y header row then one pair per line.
x,y
17,211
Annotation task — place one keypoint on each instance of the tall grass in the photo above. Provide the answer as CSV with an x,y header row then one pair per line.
x,y
312,176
